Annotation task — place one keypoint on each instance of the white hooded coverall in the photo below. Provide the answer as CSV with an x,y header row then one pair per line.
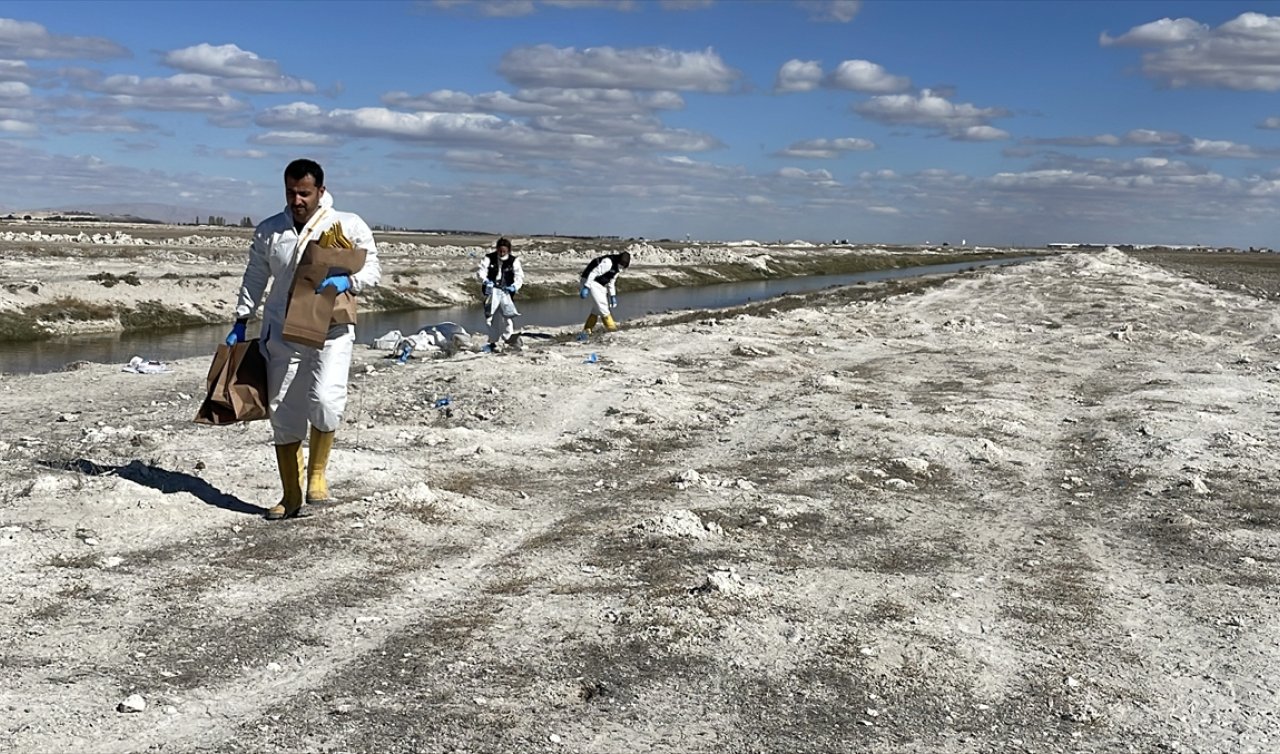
x,y
499,308
305,384
601,292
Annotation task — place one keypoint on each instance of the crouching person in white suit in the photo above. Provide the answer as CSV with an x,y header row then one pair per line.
x,y
308,386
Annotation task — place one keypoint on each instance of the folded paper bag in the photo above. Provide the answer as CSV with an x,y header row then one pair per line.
x,y
309,314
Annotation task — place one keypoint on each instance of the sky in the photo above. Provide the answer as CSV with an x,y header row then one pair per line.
x,y
891,121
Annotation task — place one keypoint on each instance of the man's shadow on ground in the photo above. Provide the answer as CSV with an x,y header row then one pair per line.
x,y
163,480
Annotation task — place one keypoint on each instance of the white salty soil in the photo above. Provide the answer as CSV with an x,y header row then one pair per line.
x,y
1020,509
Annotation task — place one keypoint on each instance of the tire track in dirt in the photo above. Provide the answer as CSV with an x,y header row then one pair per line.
x,y
1155,538
1104,470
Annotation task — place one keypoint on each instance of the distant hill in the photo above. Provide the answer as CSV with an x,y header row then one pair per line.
x,y
143,211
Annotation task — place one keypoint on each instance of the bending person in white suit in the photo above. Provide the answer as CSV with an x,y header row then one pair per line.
x,y
599,283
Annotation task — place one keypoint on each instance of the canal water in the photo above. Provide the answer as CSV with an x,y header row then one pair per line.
x,y
52,355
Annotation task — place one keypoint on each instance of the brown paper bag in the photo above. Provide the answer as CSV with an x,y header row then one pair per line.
x,y
237,386
309,314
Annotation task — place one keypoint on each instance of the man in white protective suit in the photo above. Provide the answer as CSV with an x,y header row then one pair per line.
x,y
306,385
599,283
501,275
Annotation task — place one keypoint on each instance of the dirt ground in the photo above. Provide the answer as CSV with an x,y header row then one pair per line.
x,y
1024,509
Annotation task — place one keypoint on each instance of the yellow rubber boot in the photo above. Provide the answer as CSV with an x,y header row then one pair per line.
x,y
289,460
609,324
317,462
590,324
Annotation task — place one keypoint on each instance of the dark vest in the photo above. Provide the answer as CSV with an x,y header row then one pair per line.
x,y
502,272
607,276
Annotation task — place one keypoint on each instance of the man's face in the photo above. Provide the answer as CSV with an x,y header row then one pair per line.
x,y
302,196
503,251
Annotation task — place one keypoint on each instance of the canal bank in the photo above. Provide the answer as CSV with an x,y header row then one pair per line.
x,y
54,354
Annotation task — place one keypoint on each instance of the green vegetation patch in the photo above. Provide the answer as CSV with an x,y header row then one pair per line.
x,y
19,328
35,322
394,298
154,315
68,309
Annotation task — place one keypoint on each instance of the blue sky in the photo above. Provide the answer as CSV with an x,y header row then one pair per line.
x,y
892,122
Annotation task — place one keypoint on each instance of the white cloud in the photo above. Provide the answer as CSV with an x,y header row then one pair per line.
x,y
16,70
798,76
486,160
929,110
518,8
237,69
797,174
1270,123
220,60
295,139
826,148
1162,32
183,92
25,40
474,130
1101,140
685,4
837,11
1148,136
677,140
543,101
883,175
866,77
47,179
618,5
1216,148
1241,54
100,123
179,85
881,210
492,8
1135,137
609,68
602,125
13,89
980,133
1140,169
243,154
147,145
18,127
1143,137
450,101
211,104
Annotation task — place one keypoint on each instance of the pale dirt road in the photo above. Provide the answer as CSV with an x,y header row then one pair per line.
x,y
1027,509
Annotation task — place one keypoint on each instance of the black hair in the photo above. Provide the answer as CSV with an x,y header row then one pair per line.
x,y
624,259
502,242
301,168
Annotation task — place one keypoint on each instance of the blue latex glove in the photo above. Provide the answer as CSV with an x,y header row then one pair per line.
x,y
236,335
510,289
613,302
341,282
585,292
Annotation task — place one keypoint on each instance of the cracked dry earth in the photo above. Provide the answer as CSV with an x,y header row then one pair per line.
x,y
1020,509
